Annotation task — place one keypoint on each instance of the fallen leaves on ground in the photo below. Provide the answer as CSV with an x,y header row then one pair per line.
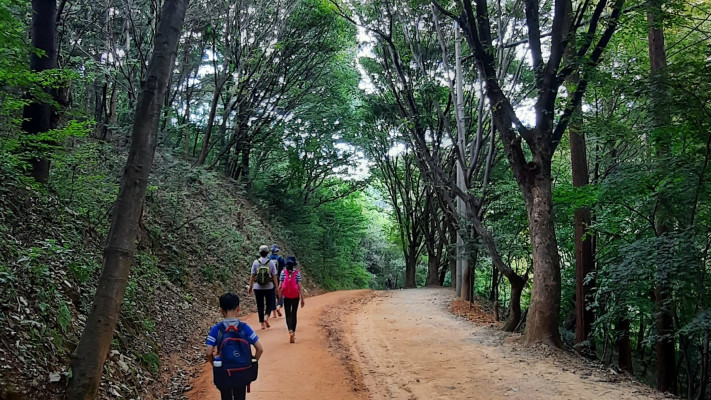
x,y
472,311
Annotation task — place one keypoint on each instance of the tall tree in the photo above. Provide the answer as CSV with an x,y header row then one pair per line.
x,y
666,346
533,173
406,192
584,252
236,20
410,78
37,114
90,354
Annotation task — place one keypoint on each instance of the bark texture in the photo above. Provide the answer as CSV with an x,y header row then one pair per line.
x,y
90,355
542,319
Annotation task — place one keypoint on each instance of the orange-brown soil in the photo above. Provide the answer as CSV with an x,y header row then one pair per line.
x,y
406,344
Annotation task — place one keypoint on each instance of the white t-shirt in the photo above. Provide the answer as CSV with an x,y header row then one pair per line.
x,y
272,272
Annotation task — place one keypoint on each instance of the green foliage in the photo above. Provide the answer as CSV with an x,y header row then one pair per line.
x,y
81,273
195,222
382,256
303,138
22,86
650,176
51,242
151,361
7,282
64,317
149,325
326,239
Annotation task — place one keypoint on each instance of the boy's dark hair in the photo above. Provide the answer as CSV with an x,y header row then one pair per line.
x,y
229,301
263,253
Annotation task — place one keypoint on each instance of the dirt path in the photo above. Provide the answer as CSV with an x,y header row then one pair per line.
x,y
406,345
303,370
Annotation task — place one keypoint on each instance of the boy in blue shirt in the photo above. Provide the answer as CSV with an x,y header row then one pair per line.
x,y
230,309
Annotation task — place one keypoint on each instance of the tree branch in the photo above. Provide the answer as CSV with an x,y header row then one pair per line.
x,y
593,61
534,40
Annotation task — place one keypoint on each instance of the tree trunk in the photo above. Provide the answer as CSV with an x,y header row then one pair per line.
x,y
245,172
468,275
432,225
411,267
640,338
516,281
494,292
38,116
704,367
432,271
99,107
471,275
241,144
443,273
466,278
90,355
584,258
441,250
112,118
584,265
234,166
452,251
186,120
517,285
624,345
208,128
462,262
665,345
542,323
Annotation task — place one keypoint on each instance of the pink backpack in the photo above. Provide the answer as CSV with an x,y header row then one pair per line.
x,y
290,288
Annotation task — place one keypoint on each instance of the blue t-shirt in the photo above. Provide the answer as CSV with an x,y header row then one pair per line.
x,y
281,263
252,337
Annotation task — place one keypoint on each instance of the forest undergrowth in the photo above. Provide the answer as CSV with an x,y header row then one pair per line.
x,y
197,237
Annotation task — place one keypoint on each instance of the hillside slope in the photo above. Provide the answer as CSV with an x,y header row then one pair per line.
x,y
197,237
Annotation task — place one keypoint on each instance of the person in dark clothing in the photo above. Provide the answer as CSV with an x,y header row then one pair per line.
x,y
280,263
293,294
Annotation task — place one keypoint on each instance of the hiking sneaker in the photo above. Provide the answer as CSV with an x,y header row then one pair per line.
x,y
292,337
